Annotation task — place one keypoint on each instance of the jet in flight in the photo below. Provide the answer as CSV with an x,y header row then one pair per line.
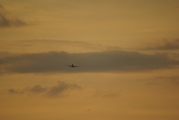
x,y
72,66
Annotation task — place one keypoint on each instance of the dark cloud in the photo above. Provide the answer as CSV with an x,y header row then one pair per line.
x,y
165,45
58,90
108,61
8,21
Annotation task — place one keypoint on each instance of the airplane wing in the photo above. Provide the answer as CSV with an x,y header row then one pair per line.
x,y
72,66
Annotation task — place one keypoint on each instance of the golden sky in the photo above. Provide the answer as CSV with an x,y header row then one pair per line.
x,y
127,53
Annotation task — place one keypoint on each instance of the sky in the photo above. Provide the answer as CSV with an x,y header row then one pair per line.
x,y
127,53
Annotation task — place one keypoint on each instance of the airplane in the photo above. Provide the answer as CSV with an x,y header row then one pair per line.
x,y
72,66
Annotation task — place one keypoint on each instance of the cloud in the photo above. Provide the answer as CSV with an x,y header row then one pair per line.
x,y
61,88
15,91
6,22
58,90
44,45
1,7
165,45
88,110
105,94
107,61
37,89
164,80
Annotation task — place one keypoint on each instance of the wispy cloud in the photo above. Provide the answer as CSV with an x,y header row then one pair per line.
x,y
1,7
44,45
164,80
37,89
58,90
6,22
107,61
61,88
105,94
165,45
15,91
